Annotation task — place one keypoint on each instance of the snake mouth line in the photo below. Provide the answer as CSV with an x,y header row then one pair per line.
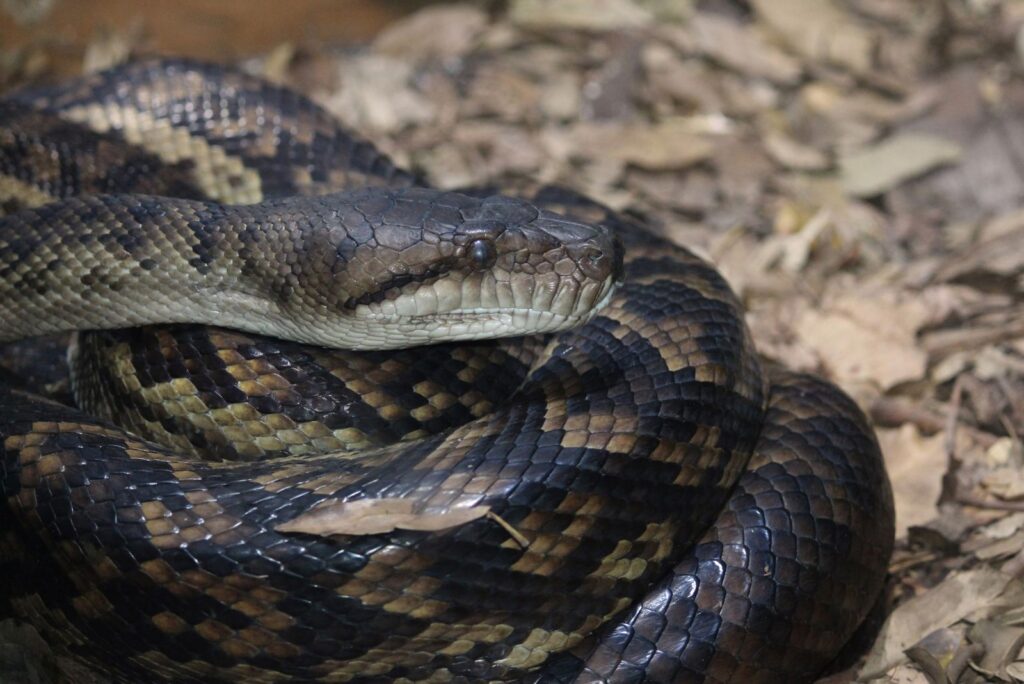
x,y
488,314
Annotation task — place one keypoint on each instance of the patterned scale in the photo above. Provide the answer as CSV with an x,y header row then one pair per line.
x,y
656,510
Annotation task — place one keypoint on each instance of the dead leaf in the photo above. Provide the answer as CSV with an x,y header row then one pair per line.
x,y
944,605
742,48
916,464
378,516
868,336
1002,644
1007,483
377,95
588,15
680,83
821,31
794,155
874,170
1002,257
439,32
669,145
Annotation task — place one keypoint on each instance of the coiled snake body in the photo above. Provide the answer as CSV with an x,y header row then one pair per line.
x,y
629,500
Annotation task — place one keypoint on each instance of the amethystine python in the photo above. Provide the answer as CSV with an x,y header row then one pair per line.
x,y
632,499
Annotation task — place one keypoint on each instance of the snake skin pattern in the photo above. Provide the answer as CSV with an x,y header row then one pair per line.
x,y
658,509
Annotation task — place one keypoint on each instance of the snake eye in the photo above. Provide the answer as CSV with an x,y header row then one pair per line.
x,y
482,253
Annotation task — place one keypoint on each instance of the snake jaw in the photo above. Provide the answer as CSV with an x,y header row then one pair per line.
x,y
391,325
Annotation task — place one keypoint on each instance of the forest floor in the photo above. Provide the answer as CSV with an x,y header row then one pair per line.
x,y
855,168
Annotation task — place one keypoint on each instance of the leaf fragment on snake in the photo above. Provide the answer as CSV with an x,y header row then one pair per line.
x,y
378,516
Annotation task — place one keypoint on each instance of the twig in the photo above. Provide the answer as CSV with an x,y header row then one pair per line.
x,y
990,504
949,479
895,411
516,535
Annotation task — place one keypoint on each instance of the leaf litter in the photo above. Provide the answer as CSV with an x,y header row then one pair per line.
x,y
854,167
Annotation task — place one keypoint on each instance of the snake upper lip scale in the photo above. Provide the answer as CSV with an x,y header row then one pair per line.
x,y
636,499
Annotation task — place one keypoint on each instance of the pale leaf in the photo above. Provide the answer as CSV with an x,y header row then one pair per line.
x,y
946,604
378,516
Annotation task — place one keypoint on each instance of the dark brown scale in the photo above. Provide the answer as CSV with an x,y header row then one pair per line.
x,y
288,389
169,568
787,571
59,158
276,131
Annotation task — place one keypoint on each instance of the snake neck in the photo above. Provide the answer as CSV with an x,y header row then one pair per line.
x,y
116,261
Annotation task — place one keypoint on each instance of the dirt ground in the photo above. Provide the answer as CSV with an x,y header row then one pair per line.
x,y
854,167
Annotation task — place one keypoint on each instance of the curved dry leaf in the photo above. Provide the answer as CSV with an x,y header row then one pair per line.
x,y
378,516
439,32
821,31
587,15
954,598
668,145
873,170
916,464
868,336
743,49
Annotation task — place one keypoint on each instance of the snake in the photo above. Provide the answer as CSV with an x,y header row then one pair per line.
x,y
587,474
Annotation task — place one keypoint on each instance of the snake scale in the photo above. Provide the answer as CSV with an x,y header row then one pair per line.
x,y
619,496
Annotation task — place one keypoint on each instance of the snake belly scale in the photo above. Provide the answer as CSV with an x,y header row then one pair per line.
x,y
660,508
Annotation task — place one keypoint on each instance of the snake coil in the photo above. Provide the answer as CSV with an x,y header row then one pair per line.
x,y
636,499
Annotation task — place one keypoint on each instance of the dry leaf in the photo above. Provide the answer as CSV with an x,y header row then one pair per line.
x,y
944,605
676,83
873,170
742,48
378,516
1002,644
794,155
916,464
820,31
903,674
439,32
1007,483
588,15
868,336
377,96
669,145
1002,256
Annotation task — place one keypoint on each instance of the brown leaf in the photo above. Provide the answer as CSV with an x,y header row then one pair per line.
x,y
676,83
1002,257
821,31
378,516
874,170
868,336
742,48
589,15
953,599
668,145
916,464
1002,644
793,154
377,95
439,32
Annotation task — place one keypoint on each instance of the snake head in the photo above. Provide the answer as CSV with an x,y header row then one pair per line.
x,y
417,266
